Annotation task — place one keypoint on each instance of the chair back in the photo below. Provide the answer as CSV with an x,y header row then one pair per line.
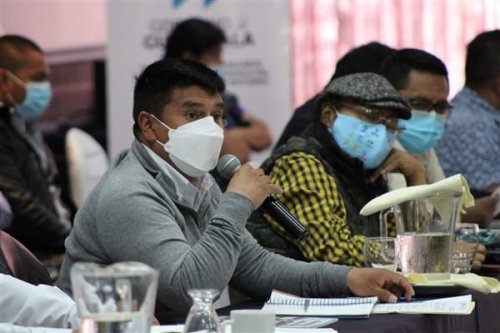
x,y
87,162
20,262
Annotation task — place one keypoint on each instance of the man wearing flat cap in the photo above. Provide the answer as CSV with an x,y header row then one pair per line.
x,y
337,166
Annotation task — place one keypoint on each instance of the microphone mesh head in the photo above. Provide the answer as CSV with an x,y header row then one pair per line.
x,y
228,165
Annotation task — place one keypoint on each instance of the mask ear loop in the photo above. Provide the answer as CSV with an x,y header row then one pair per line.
x,y
164,125
11,76
14,78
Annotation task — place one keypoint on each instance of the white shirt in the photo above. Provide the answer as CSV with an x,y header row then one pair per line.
x,y
191,193
9,328
24,304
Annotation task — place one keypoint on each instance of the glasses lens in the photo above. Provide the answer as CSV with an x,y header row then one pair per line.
x,y
442,108
421,104
426,105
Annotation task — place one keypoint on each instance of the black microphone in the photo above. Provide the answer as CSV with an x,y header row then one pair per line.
x,y
229,164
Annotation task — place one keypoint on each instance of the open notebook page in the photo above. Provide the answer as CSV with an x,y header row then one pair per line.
x,y
286,304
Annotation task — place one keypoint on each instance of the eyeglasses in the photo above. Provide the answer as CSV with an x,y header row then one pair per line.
x,y
374,116
423,104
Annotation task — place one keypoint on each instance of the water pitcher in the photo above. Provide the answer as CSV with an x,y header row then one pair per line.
x,y
118,298
424,230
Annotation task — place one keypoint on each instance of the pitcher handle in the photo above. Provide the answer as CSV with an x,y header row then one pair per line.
x,y
383,221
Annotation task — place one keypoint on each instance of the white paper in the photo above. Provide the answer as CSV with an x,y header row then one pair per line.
x,y
179,328
450,305
392,198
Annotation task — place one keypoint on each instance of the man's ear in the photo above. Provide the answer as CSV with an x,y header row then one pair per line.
x,y
328,115
145,124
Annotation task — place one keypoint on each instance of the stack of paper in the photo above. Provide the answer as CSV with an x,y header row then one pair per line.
x,y
459,305
471,281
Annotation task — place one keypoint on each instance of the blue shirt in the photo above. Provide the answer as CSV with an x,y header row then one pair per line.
x,y
471,140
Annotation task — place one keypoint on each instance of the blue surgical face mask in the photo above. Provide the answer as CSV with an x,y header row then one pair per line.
x,y
371,143
422,131
37,98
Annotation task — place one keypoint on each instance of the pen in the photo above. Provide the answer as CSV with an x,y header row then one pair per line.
x,y
306,305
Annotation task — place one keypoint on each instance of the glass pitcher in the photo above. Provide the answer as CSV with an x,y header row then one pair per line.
x,y
202,316
424,229
118,298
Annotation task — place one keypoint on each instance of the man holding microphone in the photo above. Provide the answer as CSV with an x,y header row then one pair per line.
x,y
158,204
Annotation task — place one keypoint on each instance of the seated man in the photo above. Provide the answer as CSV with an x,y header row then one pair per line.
x,y
202,41
471,140
24,304
364,58
157,204
335,168
27,173
422,78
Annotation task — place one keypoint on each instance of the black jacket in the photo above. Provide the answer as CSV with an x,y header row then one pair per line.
x,y
301,117
26,185
352,184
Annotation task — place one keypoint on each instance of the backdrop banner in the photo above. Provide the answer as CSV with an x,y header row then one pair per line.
x,y
257,55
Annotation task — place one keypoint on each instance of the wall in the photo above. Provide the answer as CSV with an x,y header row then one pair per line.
x,y
57,25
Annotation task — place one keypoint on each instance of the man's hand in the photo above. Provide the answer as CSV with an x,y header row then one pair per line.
x,y
479,257
482,212
386,285
253,184
402,162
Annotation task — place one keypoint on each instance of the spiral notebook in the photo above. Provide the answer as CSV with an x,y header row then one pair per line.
x,y
290,305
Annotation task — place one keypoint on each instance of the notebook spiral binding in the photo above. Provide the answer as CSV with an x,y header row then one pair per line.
x,y
319,301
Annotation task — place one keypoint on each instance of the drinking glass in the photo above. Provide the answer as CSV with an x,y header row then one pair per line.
x,y
380,252
465,247
202,316
114,299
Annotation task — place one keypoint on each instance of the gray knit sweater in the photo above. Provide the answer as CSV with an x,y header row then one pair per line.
x,y
134,214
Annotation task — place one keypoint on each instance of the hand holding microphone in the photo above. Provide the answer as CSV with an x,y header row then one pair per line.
x,y
256,186
249,182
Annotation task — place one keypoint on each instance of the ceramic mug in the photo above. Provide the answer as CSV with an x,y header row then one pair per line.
x,y
250,321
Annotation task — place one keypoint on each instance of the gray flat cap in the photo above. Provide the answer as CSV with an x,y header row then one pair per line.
x,y
371,90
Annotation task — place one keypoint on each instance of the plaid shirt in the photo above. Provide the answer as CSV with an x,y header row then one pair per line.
x,y
311,194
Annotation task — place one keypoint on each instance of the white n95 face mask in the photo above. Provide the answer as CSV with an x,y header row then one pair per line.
x,y
194,147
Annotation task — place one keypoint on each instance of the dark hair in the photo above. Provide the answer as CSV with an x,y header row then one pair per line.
x,y
195,36
364,58
397,67
482,63
11,49
154,86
